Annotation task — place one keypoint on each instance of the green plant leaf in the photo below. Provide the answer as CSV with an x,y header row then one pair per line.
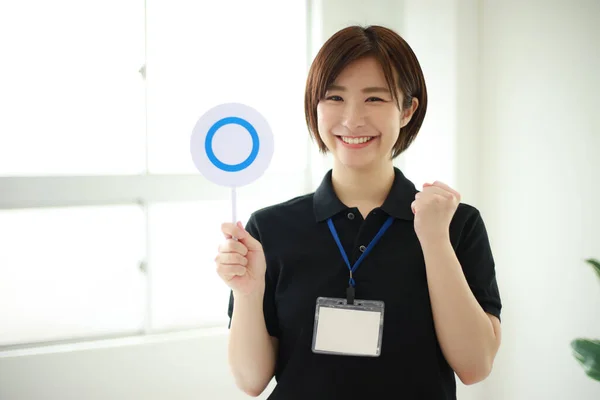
x,y
595,264
587,352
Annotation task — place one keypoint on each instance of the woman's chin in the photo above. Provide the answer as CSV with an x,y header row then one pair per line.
x,y
364,162
355,163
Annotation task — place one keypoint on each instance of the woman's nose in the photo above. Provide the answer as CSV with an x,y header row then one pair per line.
x,y
354,116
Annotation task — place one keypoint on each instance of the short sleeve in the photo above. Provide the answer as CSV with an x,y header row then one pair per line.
x,y
475,256
269,307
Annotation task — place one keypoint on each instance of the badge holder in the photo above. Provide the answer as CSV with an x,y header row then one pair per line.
x,y
348,327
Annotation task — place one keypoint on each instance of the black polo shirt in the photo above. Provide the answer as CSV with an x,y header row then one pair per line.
x,y
304,262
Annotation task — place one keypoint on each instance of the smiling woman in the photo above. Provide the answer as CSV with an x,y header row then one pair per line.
x,y
375,66
358,111
426,267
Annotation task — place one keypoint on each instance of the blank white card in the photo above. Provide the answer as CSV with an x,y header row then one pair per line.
x,y
348,331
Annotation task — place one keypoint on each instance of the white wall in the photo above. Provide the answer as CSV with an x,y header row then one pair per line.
x,y
185,366
514,92
513,124
540,188
430,29
182,366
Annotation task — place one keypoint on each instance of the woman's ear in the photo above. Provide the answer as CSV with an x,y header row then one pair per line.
x,y
408,113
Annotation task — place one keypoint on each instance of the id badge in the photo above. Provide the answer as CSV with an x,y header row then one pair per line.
x,y
344,329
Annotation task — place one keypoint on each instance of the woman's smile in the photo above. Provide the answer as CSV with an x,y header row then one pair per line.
x,y
356,142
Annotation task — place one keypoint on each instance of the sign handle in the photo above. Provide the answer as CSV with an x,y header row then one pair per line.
x,y
233,205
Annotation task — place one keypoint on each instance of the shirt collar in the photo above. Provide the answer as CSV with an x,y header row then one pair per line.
x,y
397,204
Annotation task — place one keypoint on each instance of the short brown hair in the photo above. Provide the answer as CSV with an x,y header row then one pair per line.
x,y
394,55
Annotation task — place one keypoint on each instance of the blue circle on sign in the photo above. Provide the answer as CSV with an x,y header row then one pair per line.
x,y
211,154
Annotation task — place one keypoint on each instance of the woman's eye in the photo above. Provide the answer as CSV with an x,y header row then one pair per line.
x,y
374,99
334,98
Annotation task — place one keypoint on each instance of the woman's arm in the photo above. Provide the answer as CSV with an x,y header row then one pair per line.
x,y
469,337
252,351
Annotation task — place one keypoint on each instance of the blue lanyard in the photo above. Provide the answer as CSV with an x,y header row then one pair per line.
x,y
353,268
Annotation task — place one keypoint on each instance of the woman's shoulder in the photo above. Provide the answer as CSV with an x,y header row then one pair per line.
x,y
467,215
298,208
296,205
277,225
466,211
467,224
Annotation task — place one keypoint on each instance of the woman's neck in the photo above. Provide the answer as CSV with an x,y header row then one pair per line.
x,y
365,189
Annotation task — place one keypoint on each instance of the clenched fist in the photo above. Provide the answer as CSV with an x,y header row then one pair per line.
x,y
241,261
434,208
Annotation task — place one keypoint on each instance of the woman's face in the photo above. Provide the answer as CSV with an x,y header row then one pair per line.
x,y
358,119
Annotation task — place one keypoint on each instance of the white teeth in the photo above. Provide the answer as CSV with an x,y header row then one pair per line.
x,y
354,140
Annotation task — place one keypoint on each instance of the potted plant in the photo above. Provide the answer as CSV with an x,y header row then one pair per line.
x,y
587,351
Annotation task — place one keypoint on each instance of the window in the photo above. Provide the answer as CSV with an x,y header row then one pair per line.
x,y
200,55
70,272
106,228
72,100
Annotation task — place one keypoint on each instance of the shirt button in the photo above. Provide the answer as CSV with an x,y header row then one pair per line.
x,y
350,216
362,249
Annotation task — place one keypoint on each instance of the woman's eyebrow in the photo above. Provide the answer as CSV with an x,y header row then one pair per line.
x,y
371,89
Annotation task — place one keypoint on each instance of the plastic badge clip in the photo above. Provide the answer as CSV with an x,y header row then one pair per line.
x,y
350,295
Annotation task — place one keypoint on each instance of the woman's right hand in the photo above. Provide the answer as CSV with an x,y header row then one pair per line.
x,y
241,263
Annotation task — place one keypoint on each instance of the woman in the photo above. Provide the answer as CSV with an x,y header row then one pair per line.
x,y
423,302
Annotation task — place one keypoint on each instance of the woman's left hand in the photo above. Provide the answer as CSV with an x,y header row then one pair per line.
x,y
434,208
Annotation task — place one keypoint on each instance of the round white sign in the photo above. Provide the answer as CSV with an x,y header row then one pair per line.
x,y
232,145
